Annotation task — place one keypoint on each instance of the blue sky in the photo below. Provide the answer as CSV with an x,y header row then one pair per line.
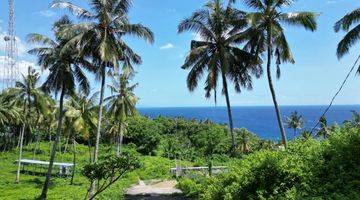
x,y
313,80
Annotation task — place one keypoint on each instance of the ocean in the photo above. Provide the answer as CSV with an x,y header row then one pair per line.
x,y
260,120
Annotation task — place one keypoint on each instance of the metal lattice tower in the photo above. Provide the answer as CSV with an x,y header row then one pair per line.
x,y
10,67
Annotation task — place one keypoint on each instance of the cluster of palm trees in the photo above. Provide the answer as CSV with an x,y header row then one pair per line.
x,y
231,51
92,44
233,43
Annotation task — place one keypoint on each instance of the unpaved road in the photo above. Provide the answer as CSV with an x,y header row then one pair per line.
x,y
160,188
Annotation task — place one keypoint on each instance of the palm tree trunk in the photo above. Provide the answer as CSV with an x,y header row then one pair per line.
x,y
37,135
74,159
20,153
54,147
233,138
96,151
18,143
272,90
120,139
36,146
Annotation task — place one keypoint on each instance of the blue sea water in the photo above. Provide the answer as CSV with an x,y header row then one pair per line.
x,y
260,120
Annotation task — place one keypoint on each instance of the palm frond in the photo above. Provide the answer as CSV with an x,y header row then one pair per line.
x,y
347,21
40,39
256,4
303,19
76,10
348,41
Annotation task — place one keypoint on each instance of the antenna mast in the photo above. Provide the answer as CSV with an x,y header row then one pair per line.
x,y
10,68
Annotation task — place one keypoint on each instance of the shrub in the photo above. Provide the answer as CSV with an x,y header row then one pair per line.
x,y
144,133
190,188
308,169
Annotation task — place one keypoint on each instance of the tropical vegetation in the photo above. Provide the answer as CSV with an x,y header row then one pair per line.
x,y
58,116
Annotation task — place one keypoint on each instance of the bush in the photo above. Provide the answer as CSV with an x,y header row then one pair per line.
x,y
191,188
308,169
144,133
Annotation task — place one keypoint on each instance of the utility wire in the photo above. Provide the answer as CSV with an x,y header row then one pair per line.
x,y
336,94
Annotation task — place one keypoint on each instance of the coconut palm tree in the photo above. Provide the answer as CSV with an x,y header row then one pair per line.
x,y
305,135
27,95
81,113
352,36
30,95
324,130
101,37
355,120
65,73
267,35
294,122
121,104
244,139
217,54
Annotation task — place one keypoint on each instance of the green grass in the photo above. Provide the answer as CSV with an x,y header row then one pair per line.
x,y
31,184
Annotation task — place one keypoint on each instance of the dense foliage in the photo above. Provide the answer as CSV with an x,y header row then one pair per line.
x,y
228,49
308,169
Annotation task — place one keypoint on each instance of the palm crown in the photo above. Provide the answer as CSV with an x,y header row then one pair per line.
x,y
82,112
123,100
267,22
220,28
352,36
64,66
218,53
100,35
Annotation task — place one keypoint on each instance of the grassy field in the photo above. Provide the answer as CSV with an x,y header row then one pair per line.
x,y
31,184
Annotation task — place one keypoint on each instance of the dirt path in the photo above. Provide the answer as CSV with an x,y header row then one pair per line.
x,y
155,189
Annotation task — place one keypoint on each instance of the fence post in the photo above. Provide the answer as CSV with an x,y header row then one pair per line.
x,y
178,168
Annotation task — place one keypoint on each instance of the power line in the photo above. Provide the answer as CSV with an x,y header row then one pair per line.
x,y
337,93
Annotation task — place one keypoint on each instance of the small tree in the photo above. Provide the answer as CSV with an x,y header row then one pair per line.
x,y
295,122
121,104
109,169
324,130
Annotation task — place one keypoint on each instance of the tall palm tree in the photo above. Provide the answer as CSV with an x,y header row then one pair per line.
x,y
64,72
267,35
81,113
352,36
101,37
295,121
217,54
121,104
28,96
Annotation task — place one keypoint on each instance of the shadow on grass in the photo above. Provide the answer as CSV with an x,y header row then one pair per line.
x,y
37,181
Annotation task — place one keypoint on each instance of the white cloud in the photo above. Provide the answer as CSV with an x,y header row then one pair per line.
x,y
47,13
21,46
21,64
167,46
333,1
